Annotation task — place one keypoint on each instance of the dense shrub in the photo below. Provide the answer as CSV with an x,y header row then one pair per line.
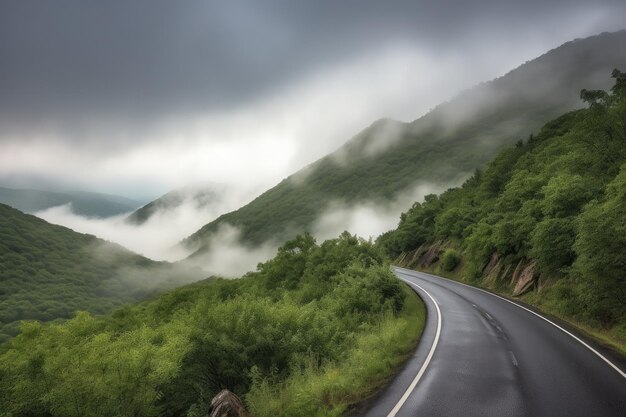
x,y
601,248
49,272
170,356
553,244
450,259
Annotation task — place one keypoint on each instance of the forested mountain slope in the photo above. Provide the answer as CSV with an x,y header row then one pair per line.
x,y
312,331
198,195
547,218
443,147
83,203
49,272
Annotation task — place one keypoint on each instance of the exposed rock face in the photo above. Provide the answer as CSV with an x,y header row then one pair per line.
x,y
524,279
497,269
227,404
414,256
523,276
431,256
516,273
492,270
424,256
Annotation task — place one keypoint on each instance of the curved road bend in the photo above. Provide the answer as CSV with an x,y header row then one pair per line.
x,y
481,355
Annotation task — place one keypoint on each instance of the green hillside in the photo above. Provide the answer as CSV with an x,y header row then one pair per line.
x,y
546,219
49,272
83,203
199,195
314,330
442,148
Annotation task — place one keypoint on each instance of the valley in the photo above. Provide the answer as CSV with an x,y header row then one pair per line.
x,y
469,260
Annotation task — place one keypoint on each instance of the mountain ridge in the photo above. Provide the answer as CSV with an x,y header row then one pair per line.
x,y
84,203
200,195
442,147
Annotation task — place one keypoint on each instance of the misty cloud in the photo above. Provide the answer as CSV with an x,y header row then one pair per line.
x,y
227,256
132,60
159,236
139,98
145,96
255,145
158,239
369,219
141,279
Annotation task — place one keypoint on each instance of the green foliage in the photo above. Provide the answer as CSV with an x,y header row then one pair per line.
x,y
601,248
510,235
450,260
565,194
48,272
479,247
327,389
558,200
552,244
259,334
418,227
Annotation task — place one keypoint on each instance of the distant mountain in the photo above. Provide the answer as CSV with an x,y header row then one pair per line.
x,y
83,203
200,195
49,272
442,148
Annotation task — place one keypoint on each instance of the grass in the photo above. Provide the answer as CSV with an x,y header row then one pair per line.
x,y
333,388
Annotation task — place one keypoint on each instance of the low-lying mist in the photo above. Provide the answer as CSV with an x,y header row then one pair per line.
x,y
135,277
158,237
369,219
225,254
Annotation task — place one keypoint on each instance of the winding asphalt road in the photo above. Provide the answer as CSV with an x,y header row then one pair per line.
x,y
482,355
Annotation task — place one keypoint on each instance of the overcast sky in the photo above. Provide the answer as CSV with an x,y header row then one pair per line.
x,y
138,97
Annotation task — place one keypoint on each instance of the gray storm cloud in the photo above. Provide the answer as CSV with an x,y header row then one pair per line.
x,y
133,60
141,97
129,96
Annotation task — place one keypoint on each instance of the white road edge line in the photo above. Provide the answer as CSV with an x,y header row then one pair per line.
x,y
608,362
417,378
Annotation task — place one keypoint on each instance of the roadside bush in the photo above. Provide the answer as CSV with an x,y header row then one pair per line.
x,y
168,357
552,244
450,260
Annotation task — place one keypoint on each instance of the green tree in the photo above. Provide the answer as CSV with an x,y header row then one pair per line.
x,y
601,249
552,244
565,194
